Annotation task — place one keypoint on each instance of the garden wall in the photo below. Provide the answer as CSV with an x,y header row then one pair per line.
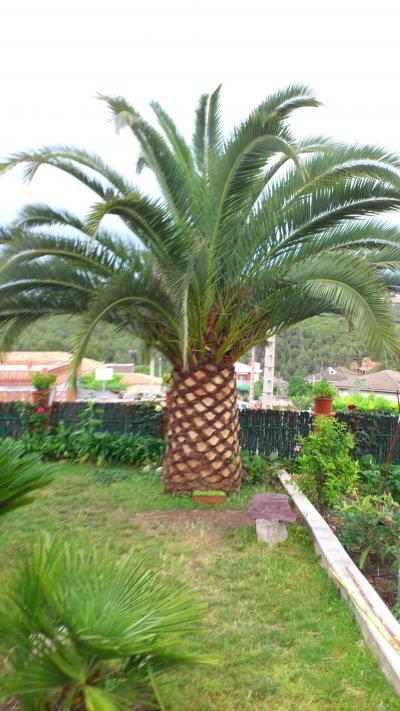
x,y
262,431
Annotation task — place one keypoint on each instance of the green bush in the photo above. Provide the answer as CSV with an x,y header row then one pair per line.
x,y
323,388
115,384
325,470
99,447
302,402
377,479
298,387
43,380
371,525
84,630
20,475
86,442
370,403
258,469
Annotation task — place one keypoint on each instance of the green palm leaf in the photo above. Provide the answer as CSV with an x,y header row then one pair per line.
x,y
253,232
78,623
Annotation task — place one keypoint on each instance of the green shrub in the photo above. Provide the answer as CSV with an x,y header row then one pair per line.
x,y
34,418
86,443
115,384
375,480
370,403
371,525
86,631
43,380
259,470
325,470
323,388
302,402
20,475
298,387
98,447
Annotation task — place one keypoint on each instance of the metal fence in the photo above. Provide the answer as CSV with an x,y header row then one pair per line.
x,y
262,431
267,431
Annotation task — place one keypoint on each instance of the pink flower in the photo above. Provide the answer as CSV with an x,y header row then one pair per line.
x,y
40,409
297,449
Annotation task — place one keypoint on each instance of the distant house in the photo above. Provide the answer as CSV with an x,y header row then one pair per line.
x,y
338,376
346,381
243,372
17,368
140,383
384,382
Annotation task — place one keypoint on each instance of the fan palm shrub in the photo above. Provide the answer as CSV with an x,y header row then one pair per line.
x,y
20,475
86,631
250,234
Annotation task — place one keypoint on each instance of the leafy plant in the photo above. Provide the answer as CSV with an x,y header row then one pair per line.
x,y
89,445
371,525
302,402
298,386
255,468
369,403
84,630
34,418
43,380
115,384
325,470
375,480
259,470
20,475
323,388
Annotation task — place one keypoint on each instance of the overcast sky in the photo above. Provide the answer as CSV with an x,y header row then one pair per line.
x,y
55,55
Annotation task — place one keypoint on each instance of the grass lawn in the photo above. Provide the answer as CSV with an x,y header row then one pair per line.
x,y
286,639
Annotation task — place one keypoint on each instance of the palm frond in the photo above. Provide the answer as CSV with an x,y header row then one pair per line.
x,y
252,234
77,620
20,475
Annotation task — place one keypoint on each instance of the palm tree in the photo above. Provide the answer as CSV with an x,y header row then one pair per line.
x,y
250,235
20,475
86,630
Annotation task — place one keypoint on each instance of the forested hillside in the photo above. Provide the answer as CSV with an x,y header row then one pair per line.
x,y
300,350
57,334
316,344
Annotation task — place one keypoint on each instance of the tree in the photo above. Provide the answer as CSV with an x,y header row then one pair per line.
x,y
20,475
251,234
298,386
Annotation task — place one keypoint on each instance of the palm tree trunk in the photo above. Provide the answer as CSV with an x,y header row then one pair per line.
x,y
203,449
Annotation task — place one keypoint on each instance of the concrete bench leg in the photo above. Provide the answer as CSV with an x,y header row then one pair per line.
x,y
271,532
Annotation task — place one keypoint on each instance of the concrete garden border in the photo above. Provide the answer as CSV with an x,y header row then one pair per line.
x,y
380,629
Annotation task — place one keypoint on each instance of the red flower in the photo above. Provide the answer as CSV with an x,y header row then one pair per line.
x,y
351,407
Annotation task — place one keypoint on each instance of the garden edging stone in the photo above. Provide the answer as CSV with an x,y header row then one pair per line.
x,y
379,627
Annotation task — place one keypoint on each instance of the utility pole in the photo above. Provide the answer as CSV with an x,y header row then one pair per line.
x,y
152,368
269,367
251,383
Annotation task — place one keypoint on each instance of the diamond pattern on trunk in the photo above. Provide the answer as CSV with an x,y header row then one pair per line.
x,y
203,431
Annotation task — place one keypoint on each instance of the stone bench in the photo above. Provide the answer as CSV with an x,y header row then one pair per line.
x,y
271,513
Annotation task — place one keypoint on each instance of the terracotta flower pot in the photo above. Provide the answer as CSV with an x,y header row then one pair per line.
x,y
41,397
209,499
323,406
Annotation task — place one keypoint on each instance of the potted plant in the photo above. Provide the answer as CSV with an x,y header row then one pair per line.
x,y
42,382
323,394
209,497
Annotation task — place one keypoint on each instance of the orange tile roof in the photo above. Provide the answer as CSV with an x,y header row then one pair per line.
x,y
49,359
